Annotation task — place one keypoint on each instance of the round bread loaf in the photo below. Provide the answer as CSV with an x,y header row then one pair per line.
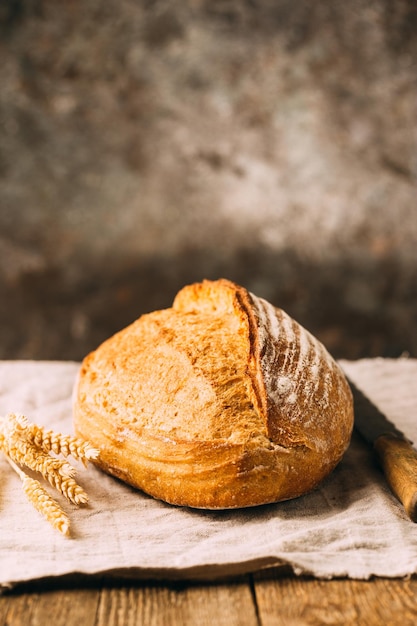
x,y
222,401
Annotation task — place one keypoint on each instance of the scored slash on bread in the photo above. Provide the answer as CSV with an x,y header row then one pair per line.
x,y
222,401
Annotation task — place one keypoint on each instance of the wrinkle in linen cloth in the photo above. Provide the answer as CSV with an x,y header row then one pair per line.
x,y
350,526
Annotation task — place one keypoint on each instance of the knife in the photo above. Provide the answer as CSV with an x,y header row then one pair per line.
x,y
395,453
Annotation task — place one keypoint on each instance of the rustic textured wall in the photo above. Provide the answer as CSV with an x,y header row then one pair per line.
x,y
144,145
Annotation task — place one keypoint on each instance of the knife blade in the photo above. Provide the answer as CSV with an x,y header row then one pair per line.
x,y
395,453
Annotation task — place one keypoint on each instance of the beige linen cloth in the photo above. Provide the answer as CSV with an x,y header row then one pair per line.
x,y
351,526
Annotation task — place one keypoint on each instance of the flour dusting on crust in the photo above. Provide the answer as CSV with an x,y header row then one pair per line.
x,y
298,374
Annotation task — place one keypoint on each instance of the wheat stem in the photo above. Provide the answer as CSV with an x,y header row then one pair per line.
x,y
16,468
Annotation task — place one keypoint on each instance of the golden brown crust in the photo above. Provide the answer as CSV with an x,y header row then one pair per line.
x,y
222,401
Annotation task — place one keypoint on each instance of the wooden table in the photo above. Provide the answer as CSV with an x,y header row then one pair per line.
x,y
270,598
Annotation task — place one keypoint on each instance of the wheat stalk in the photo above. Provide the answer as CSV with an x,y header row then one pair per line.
x,y
29,445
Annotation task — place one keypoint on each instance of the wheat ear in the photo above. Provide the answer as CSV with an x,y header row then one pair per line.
x,y
69,488
61,444
26,453
42,501
58,473
17,427
28,445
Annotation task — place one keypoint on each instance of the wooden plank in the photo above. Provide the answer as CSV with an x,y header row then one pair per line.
x,y
289,601
280,601
4,606
70,607
19,610
223,605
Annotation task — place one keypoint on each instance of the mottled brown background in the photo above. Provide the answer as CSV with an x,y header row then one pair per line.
x,y
144,145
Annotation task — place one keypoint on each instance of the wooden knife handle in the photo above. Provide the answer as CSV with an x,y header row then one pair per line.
x,y
399,463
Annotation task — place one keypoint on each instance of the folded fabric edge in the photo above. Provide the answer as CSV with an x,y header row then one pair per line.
x,y
199,573
262,568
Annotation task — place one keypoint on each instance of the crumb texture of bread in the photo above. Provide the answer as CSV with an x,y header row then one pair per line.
x,y
222,401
